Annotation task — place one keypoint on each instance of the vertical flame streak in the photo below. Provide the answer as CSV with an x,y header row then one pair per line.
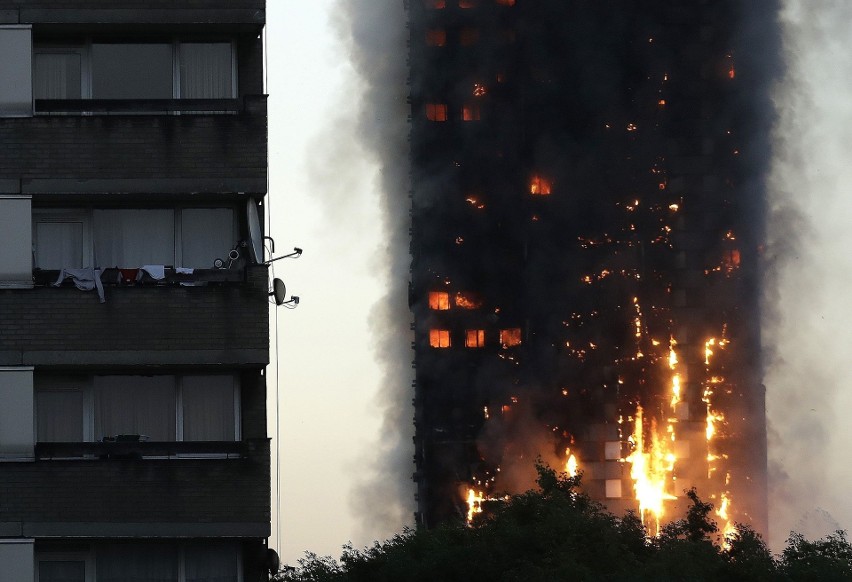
x,y
474,504
571,464
651,471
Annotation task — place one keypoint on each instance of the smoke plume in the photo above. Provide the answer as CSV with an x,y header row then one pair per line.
x,y
808,318
375,33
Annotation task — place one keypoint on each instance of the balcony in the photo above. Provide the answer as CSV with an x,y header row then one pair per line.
x,y
164,146
161,495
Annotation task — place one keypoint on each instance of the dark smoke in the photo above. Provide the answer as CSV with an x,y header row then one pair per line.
x,y
375,34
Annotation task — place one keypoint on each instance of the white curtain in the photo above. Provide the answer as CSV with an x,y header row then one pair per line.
x,y
208,408
59,410
211,562
62,571
57,76
137,562
134,237
128,405
206,71
59,245
206,234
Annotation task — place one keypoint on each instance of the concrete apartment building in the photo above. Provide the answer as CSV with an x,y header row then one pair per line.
x,y
133,294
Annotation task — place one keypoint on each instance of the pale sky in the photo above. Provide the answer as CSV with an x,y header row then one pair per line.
x,y
324,198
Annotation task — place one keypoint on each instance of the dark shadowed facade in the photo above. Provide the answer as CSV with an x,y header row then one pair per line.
x,y
587,219
133,439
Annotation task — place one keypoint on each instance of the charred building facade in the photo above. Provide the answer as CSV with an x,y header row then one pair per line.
x,y
133,294
587,218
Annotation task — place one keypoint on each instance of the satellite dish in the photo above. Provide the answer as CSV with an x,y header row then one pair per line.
x,y
255,233
279,291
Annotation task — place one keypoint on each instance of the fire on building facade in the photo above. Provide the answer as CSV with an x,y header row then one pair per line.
x,y
587,218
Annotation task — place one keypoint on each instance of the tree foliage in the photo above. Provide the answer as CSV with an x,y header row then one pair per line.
x,y
558,533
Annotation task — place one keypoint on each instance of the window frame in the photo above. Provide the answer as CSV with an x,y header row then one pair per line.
x,y
85,556
65,215
84,49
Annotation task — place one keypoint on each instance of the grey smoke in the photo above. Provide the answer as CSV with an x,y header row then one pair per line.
x,y
375,34
807,326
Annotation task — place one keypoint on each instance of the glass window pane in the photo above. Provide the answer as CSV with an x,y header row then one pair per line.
x,y
211,562
137,562
205,71
59,411
134,237
57,75
132,71
59,245
207,234
135,405
62,571
208,408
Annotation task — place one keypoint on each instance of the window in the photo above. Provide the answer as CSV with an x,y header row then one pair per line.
x,y
510,337
436,111
613,488
132,237
540,186
16,97
16,413
15,258
437,4
612,450
162,408
142,561
468,300
173,70
468,36
69,566
474,338
439,338
471,112
439,300
436,37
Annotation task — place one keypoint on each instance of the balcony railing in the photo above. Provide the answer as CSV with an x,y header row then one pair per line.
x,y
142,450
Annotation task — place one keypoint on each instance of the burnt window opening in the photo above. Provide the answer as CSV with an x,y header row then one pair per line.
x,y
436,37
540,186
506,2
479,90
468,36
471,112
510,337
435,4
436,111
439,300
467,3
474,338
467,300
439,338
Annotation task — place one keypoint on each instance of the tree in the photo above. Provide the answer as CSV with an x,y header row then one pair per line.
x,y
559,533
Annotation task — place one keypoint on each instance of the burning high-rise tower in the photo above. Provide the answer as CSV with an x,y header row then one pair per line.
x,y
587,218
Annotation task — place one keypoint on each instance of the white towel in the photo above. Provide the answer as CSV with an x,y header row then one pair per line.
x,y
157,272
84,280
